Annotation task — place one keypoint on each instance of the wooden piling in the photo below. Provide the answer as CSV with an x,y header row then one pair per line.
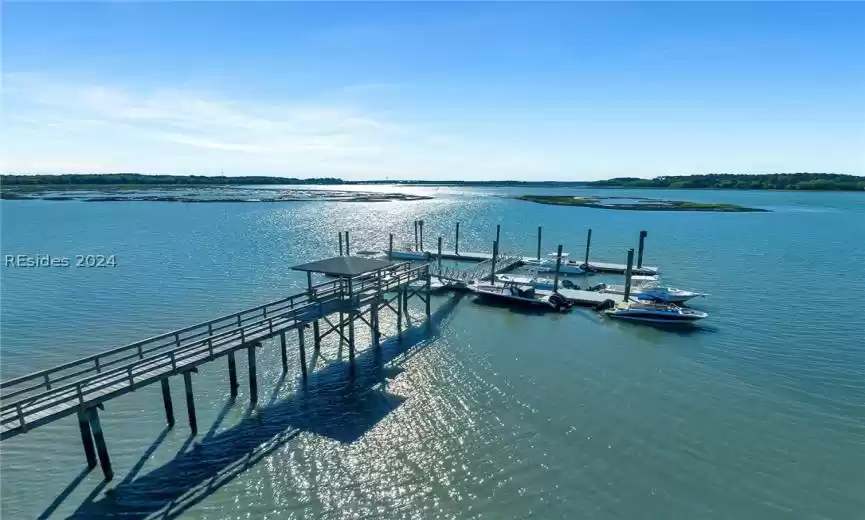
x,y
440,256
253,374
539,243
390,248
628,273
495,254
87,439
399,299
232,374
101,448
300,342
166,400
457,241
415,236
643,235
190,402
347,246
340,243
351,319
558,268
427,298
420,223
588,246
284,353
316,336
498,232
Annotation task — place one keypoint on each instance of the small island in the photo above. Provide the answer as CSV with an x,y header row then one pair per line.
x,y
636,204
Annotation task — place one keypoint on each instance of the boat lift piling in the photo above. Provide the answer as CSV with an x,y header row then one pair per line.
x,y
415,236
457,241
588,247
558,268
495,254
439,258
340,243
390,247
628,273
420,223
643,235
498,233
539,243
347,247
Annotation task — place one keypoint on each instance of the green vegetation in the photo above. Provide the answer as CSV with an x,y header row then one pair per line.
x,y
137,179
777,181
642,204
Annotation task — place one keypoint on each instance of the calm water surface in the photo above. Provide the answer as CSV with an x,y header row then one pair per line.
x,y
489,412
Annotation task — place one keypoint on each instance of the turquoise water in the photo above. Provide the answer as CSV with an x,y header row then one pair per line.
x,y
491,412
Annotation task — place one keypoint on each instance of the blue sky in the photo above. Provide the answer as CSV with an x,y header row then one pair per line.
x,y
564,91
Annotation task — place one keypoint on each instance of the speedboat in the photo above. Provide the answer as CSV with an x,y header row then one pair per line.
x,y
649,288
548,264
521,294
654,312
408,255
535,281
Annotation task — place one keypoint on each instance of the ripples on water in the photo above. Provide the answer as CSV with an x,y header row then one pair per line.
x,y
490,412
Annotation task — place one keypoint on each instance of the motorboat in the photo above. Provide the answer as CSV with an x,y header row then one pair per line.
x,y
649,288
536,281
548,264
654,312
520,294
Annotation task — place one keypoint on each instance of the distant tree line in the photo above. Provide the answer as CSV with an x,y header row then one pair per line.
x,y
162,180
723,181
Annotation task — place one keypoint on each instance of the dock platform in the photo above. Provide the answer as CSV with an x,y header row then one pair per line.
x,y
586,298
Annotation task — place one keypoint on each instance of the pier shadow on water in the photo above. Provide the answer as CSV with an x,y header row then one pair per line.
x,y
331,403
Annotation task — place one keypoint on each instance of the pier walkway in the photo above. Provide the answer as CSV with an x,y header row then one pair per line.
x,y
81,386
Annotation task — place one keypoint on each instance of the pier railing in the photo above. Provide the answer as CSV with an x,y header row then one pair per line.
x,y
99,377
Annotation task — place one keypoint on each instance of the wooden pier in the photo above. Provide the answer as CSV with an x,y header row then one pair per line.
x,y
364,287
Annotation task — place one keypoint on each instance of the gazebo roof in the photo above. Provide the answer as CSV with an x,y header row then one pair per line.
x,y
344,266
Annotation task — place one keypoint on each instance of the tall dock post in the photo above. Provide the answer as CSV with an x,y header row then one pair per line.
x,y
440,256
390,247
643,235
166,400
498,232
399,297
495,254
101,448
315,329
340,243
232,374
558,268
87,439
628,273
351,327
420,223
588,246
284,353
347,246
539,243
457,241
253,374
415,235
190,401
428,291
302,349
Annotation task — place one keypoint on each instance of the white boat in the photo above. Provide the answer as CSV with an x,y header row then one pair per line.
x,y
654,312
649,288
521,294
548,264
535,281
